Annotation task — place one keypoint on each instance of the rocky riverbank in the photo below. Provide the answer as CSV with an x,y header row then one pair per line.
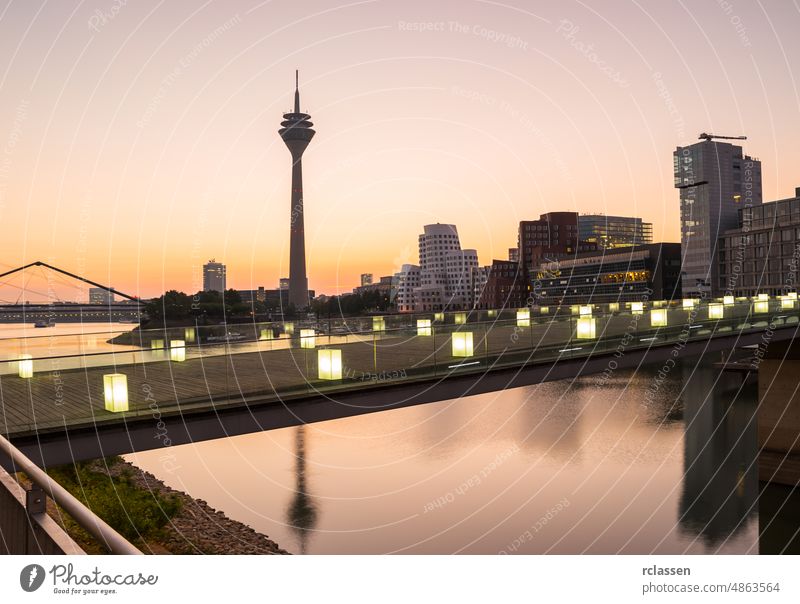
x,y
195,528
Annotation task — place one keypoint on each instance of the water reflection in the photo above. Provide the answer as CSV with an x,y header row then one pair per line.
x,y
671,473
720,483
302,513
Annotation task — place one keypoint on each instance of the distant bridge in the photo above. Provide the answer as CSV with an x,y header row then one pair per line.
x,y
192,384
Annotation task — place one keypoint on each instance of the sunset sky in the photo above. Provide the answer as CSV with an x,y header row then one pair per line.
x,y
139,139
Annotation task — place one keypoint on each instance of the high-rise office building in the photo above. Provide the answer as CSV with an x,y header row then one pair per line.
x,y
98,295
715,180
296,131
214,278
283,284
366,279
609,232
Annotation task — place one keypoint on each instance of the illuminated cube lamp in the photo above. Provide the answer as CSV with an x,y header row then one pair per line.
x,y
424,327
728,300
329,362
177,351
25,366
761,306
491,313
762,297
585,311
637,308
523,317
613,307
658,303
115,388
307,338
267,334
792,295
189,334
575,309
378,324
460,318
658,317
787,303
157,347
288,328
544,310
439,316
587,327
716,311
462,344
688,303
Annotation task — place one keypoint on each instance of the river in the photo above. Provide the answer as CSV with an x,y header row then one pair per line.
x,y
578,466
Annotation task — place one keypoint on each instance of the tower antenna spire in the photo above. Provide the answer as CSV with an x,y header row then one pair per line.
x,y
297,91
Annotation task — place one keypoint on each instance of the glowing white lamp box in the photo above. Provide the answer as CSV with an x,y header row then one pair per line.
x,y
267,334
378,324
460,318
115,388
544,310
574,309
329,362
761,306
585,311
716,311
792,295
587,328
25,366
728,300
157,347
688,302
288,328
787,302
658,317
462,344
307,338
613,307
439,316
177,351
491,313
424,327
524,317
658,303
189,334
762,297
637,308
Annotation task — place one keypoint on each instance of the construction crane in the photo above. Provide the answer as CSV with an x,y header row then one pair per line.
x,y
708,137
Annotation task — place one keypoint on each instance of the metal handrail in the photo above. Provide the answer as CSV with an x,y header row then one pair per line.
x,y
91,522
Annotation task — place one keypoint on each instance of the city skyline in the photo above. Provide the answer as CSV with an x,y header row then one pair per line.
x,y
139,184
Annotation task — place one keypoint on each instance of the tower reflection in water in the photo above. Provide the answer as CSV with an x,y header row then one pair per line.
x,y
302,513
720,483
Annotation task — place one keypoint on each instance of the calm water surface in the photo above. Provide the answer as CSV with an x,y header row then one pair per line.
x,y
562,467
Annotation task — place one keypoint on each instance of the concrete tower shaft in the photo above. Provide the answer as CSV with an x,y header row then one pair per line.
x,y
296,132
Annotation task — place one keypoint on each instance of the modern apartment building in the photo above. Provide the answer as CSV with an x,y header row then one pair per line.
x,y
762,254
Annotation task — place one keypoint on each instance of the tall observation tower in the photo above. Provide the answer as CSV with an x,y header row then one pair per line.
x,y
296,131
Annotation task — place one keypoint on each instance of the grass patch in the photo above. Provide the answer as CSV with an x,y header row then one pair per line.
x,y
134,512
